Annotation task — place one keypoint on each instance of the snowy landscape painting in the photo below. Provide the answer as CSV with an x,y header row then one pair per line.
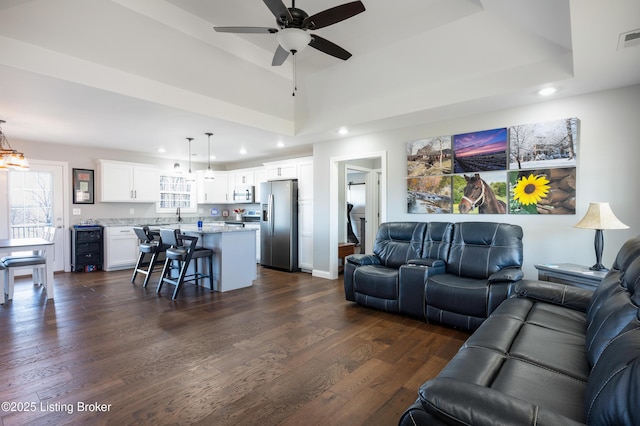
x,y
545,144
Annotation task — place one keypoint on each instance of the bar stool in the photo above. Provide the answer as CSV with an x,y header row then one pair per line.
x,y
183,249
148,246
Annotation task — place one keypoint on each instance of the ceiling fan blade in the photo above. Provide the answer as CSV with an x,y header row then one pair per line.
x,y
246,30
279,10
333,15
280,56
328,47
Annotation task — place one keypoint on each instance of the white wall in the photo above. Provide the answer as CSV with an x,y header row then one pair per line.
x,y
608,170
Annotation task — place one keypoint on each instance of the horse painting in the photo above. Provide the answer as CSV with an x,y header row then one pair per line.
x,y
478,194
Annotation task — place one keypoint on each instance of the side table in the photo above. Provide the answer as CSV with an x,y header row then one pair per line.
x,y
570,274
344,250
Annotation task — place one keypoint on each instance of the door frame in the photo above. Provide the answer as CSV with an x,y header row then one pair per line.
x,y
334,206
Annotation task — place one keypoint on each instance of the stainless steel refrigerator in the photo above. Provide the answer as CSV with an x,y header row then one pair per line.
x,y
279,224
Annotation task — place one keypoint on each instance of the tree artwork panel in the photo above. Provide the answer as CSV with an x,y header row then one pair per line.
x,y
429,157
543,145
429,194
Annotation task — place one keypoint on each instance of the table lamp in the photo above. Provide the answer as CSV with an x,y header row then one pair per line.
x,y
599,216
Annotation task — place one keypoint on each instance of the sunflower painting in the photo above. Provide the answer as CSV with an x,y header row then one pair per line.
x,y
546,191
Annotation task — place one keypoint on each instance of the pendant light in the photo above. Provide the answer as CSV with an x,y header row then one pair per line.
x,y
190,177
10,159
209,173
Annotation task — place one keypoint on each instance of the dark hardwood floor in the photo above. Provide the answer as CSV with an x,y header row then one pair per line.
x,y
288,351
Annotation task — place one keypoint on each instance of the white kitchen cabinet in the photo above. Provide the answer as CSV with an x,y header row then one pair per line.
x,y
121,248
256,226
243,177
213,191
260,175
281,170
305,213
128,182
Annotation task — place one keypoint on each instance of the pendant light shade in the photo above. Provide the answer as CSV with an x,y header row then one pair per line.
x,y
209,173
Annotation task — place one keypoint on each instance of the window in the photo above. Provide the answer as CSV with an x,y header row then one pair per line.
x,y
176,191
30,204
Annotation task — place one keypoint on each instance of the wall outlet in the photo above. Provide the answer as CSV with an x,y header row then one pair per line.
x,y
77,212
131,211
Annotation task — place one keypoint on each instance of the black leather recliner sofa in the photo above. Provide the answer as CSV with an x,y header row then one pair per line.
x,y
448,273
550,354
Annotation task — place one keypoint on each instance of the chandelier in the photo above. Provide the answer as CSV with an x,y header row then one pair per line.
x,y
10,159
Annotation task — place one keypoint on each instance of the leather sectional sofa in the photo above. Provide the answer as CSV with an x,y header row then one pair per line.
x,y
550,354
448,273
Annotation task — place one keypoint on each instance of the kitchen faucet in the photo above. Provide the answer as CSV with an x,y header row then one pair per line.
x,y
178,213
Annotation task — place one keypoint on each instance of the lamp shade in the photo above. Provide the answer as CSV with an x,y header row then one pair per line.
x,y
600,216
293,39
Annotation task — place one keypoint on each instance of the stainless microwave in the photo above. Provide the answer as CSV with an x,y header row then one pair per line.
x,y
244,194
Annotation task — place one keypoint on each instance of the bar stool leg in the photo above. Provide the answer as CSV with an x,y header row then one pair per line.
x,y
165,268
135,268
183,273
152,263
211,273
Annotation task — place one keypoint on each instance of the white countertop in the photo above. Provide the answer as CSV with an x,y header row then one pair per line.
x,y
207,228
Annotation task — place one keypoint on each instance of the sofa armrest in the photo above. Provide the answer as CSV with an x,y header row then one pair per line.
x,y
455,402
426,262
558,294
412,280
362,259
510,274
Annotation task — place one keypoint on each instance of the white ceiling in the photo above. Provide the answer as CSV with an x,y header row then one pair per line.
x,y
142,74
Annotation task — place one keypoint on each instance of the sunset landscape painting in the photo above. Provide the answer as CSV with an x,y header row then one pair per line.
x,y
480,151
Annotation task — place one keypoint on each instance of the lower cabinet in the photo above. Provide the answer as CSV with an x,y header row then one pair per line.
x,y
121,248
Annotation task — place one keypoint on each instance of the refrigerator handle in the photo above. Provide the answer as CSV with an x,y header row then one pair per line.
x,y
270,213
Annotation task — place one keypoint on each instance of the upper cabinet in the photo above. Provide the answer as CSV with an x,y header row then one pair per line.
x,y
242,177
281,169
128,182
213,191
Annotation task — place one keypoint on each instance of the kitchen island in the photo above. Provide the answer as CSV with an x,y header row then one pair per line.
x,y
234,254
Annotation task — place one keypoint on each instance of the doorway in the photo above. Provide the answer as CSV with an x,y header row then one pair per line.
x,y
36,199
338,204
362,209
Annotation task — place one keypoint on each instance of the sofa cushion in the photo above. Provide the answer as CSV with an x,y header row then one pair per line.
x,y
480,249
614,304
458,294
613,389
437,240
398,242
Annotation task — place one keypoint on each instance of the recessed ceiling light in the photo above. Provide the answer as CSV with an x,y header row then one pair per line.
x,y
161,150
343,131
547,91
280,144
243,151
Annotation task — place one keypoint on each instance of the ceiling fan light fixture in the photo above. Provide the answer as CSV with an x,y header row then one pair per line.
x,y
293,39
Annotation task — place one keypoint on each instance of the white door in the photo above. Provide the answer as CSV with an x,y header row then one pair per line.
x,y
37,199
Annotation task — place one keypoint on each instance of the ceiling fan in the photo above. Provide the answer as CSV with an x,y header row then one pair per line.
x,y
294,24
